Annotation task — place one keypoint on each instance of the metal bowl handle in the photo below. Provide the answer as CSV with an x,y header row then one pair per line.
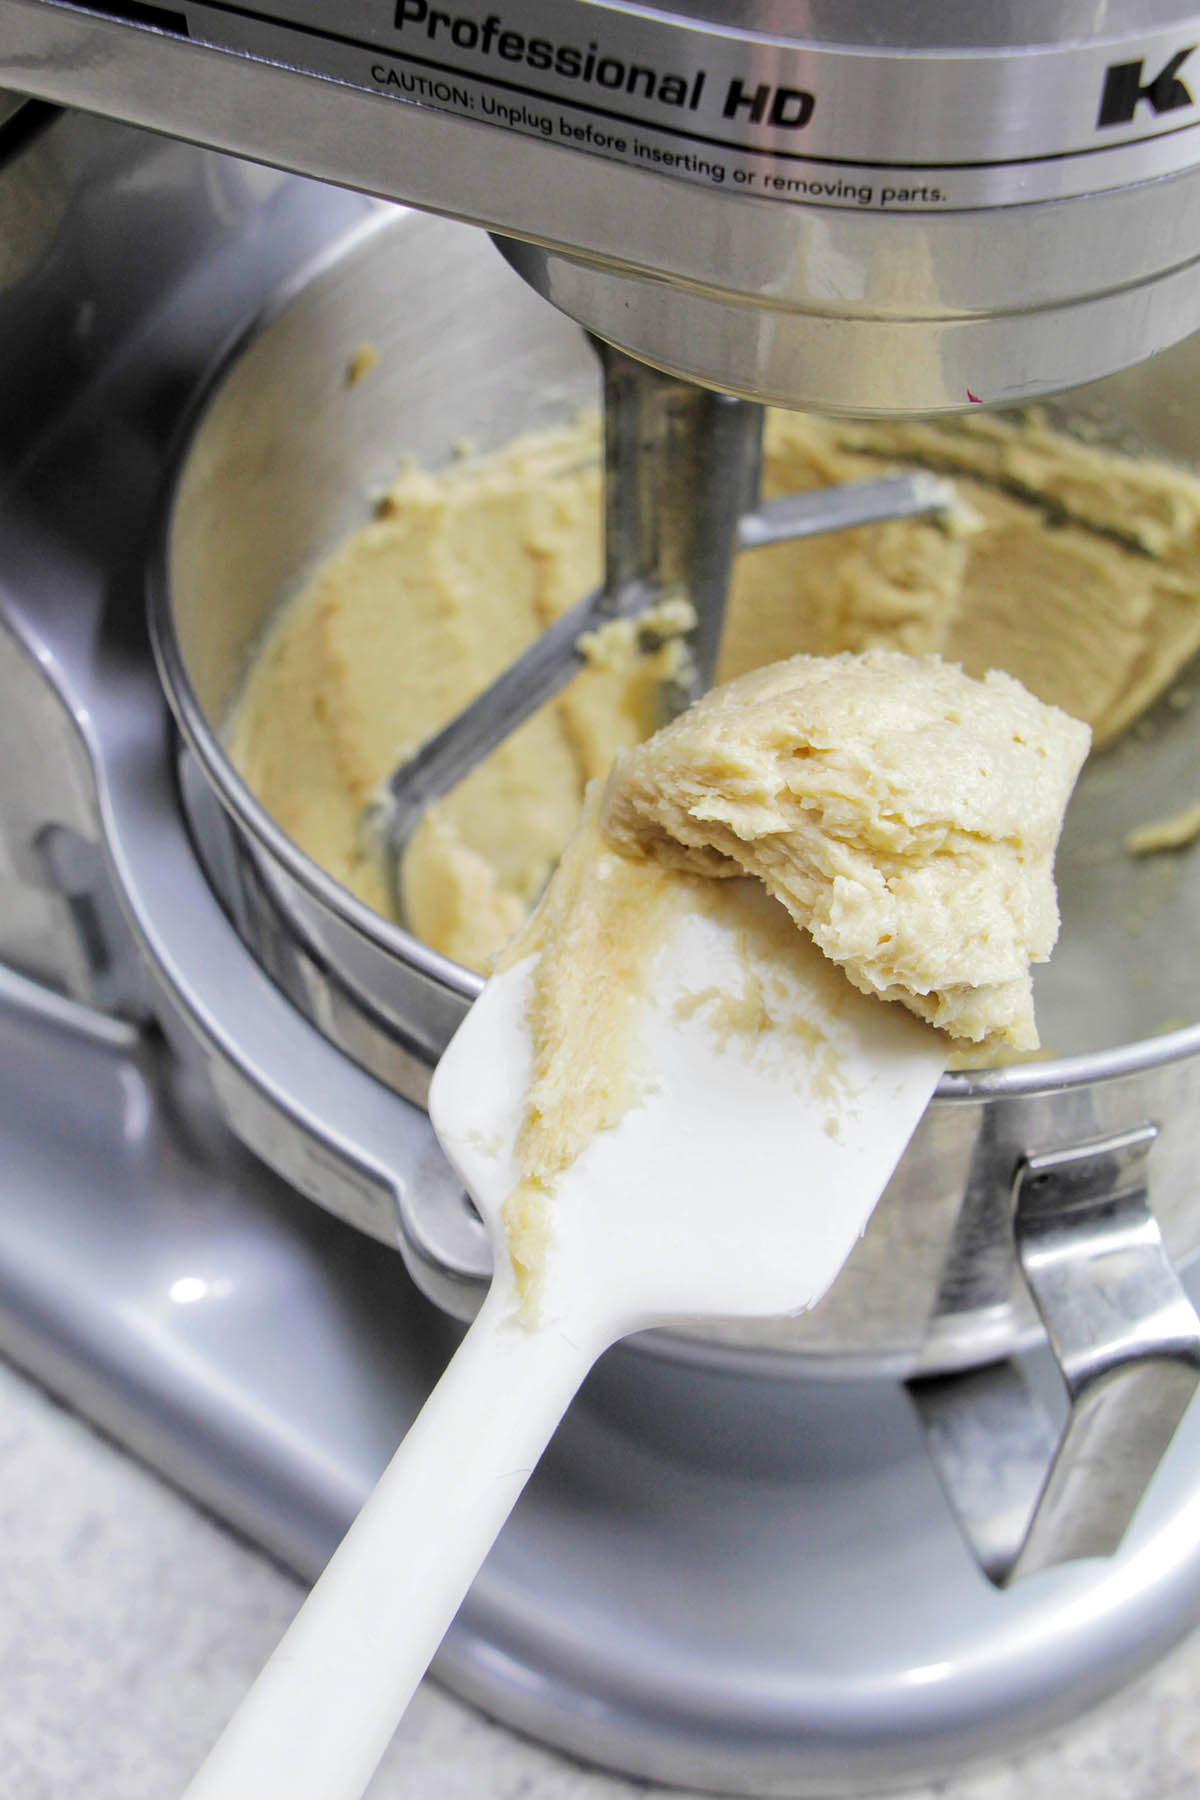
x,y
1126,1339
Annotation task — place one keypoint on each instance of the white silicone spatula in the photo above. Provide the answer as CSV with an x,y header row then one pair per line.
x,y
737,1185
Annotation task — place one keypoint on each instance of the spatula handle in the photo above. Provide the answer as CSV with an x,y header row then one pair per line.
x,y
321,1713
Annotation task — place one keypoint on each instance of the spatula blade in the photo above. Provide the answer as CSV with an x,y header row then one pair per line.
x,y
775,1101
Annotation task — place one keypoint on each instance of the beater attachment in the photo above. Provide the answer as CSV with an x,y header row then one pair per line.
x,y
682,472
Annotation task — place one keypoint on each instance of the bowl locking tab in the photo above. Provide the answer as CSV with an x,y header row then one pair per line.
x,y
1126,1340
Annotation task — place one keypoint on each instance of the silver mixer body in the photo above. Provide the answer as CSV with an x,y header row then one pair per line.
x,y
845,206
916,226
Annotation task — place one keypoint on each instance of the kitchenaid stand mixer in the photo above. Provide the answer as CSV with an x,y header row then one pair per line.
x,y
732,1448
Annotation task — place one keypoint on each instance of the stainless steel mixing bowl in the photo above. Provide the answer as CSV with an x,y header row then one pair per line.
x,y
284,455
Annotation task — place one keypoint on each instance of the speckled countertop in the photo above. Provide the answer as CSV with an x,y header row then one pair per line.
x,y
130,1624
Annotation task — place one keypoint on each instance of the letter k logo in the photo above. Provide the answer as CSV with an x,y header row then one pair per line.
x,y
1124,90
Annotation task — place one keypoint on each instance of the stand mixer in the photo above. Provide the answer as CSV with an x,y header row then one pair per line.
x,y
910,227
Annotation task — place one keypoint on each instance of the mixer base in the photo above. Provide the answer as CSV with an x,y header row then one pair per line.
x,y
749,1586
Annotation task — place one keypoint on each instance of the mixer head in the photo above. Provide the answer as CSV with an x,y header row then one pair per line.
x,y
846,206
